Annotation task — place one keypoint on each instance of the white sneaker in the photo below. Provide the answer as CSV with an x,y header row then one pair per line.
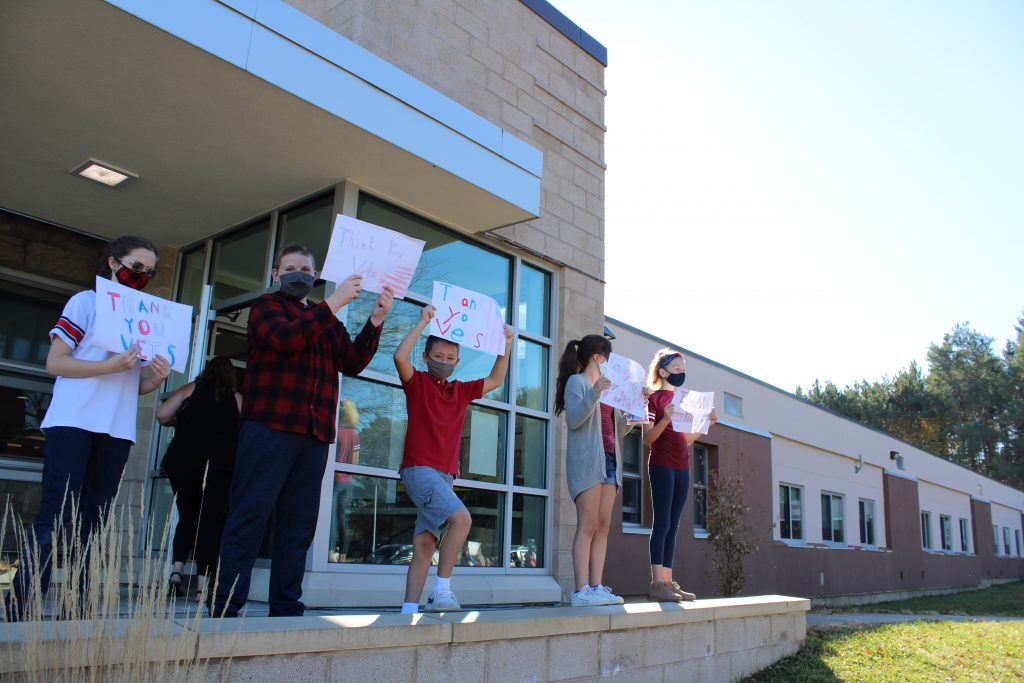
x,y
606,593
587,597
444,601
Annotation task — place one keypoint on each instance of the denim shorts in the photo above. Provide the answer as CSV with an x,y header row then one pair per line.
x,y
431,491
610,469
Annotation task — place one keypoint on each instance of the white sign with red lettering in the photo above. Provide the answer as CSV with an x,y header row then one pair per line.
x,y
468,318
126,317
383,257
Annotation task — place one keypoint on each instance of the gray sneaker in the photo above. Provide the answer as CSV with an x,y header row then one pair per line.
x,y
444,601
606,593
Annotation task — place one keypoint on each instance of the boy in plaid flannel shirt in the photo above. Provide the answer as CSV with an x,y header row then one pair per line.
x,y
296,350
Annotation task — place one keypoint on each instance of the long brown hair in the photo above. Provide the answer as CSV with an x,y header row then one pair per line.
x,y
219,375
575,357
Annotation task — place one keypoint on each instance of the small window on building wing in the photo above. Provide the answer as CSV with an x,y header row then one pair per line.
x,y
965,537
867,522
946,528
733,405
790,513
832,518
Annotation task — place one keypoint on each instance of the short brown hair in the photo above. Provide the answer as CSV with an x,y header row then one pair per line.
x,y
293,248
433,339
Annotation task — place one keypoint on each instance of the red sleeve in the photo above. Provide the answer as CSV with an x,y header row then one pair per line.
x,y
352,357
471,391
271,327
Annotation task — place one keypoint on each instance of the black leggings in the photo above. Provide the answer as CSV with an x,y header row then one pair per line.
x,y
201,515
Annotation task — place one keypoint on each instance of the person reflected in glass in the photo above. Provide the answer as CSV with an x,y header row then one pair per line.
x,y
593,484
430,457
198,462
347,452
669,470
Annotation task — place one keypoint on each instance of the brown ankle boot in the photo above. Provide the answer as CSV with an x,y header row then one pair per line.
x,y
684,595
662,592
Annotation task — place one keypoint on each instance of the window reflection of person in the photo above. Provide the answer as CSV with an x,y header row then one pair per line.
x,y
348,452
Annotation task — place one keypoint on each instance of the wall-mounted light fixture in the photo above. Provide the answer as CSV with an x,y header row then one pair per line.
x,y
895,455
860,464
102,172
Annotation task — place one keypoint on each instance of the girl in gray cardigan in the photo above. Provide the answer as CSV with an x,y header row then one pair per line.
x,y
593,483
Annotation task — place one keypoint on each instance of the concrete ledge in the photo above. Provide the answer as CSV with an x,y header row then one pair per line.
x,y
707,640
262,636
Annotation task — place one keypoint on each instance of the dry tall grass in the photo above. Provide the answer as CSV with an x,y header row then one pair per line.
x,y
95,631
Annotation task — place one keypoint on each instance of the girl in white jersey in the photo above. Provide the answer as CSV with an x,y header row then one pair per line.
x,y
90,424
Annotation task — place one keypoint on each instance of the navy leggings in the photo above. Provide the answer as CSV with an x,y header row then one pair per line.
x,y
669,488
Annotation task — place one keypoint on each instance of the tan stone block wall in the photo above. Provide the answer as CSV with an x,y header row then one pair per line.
x,y
505,63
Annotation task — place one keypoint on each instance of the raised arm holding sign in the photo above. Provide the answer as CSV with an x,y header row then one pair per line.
x,y
382,257
126,317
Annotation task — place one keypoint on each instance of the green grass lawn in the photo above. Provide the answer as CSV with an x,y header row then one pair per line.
x,y
907,652
1004,600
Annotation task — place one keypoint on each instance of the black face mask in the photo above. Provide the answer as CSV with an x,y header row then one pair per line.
x,y
676,379
297,284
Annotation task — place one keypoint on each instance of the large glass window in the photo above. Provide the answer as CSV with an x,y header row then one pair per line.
x,y
532,360
527,531
632,478
926,530
309,224
534,300
867,521
373,521
699,474
28,316
446,256
1006,540
241,262
832,516
503,476
531,451
790,513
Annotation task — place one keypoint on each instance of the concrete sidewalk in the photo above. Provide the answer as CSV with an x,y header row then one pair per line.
x,y
853,618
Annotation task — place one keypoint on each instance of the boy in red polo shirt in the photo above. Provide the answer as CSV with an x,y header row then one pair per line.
x,y
430,459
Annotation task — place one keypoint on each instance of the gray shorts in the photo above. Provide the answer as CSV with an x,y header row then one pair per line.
x,y
432,493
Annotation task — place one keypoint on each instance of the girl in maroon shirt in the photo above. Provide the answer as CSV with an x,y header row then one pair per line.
x,y
669,469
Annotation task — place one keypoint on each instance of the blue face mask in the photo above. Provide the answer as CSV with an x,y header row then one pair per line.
x,y
297,284
676,379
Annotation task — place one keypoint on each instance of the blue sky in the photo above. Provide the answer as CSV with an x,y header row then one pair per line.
x,y
813,189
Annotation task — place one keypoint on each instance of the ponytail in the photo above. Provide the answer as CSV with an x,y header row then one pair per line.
x,y
575,357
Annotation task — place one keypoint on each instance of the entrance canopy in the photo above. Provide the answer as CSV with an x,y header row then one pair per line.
x,y
226,110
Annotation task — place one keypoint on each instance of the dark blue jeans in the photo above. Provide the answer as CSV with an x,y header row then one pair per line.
x,y
275,472
669,489
87,467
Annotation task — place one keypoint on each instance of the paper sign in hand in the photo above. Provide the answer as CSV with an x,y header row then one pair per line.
x,y
468,318
126,317
627,390
381,256
693,411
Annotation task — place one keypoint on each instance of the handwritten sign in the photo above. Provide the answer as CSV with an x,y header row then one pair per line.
x,y
693,411
381,256
627,390
126,317
468,318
